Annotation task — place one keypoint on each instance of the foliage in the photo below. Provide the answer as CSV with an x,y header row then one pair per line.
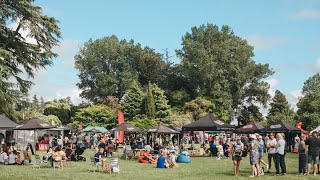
x,y
249,113
280,110
309,105
180,118
142,121
95,115
27,114
150,103
198,107
108,66
132,102
20,57
218,65
162,109
179,98
61,109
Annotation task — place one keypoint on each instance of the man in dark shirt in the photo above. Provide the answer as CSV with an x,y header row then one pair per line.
x,y
313,144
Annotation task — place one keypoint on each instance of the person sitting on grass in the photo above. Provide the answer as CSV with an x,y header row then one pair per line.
x,y
171,159
148,157
18,158
3,156
12,157
162,162
47,157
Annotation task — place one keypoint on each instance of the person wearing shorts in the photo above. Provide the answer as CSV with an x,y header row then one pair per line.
x,y
313,144
238,147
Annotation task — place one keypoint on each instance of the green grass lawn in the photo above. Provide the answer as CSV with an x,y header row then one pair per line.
x,y
200,168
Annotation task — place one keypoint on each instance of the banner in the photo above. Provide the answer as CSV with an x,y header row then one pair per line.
x,y
120,121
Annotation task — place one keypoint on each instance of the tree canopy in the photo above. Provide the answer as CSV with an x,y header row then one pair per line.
x,y
309,104
108,66
218,65
20,56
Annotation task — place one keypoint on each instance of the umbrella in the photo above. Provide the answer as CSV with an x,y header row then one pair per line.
x,y
33,124
162,129
126,127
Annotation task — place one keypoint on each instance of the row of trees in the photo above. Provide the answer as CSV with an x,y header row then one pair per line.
x,y
216,74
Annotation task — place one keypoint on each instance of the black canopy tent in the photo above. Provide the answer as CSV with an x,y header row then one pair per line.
x,y
125,127
250,127
281,127
208,123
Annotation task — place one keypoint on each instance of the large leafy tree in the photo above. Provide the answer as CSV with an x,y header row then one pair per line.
x,y
18,55
309,105
95,115
108,66
249,113
218,65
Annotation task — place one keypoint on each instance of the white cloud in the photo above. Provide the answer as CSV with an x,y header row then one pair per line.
x,y
72,93
316,66
59,81
273,84
307,14
261,42
293,98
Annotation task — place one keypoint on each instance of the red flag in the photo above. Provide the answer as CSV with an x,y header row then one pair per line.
x,y
120,121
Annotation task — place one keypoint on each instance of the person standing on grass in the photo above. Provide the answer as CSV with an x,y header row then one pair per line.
x,y
313,144
302,156
238,147
254,156
271,144
280,155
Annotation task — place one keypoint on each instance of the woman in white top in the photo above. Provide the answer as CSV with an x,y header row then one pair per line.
x,y
12,158
280,155
3,157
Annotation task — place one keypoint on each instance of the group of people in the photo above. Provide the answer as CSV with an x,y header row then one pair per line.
x,y
10,156
309,149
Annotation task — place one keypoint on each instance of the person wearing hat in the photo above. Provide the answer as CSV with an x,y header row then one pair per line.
x,y
254,156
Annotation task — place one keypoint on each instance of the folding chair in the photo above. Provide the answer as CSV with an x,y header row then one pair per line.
x,y
114,165
37,162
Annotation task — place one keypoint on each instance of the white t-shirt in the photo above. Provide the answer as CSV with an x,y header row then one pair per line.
x,y
3,157
272,143
148,148
12,158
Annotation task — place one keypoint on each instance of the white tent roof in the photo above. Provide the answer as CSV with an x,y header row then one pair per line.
x,y
316,129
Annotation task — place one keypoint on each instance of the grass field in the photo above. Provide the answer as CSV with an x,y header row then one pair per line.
x,y
200,168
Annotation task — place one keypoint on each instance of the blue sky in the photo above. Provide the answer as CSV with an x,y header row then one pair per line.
x,y
283,32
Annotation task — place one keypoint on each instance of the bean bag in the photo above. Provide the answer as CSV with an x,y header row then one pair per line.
x,y
182,158
141,160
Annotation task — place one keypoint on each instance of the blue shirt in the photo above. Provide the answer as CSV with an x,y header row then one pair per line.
x,y
160,162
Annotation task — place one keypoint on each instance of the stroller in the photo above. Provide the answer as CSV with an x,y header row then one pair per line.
x,y
79,151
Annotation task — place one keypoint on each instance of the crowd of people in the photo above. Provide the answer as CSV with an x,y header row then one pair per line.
x,y
275,146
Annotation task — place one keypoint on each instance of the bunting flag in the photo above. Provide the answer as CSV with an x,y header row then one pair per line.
x,y
120,121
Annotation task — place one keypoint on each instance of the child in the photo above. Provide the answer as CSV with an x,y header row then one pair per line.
x,y
18,158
